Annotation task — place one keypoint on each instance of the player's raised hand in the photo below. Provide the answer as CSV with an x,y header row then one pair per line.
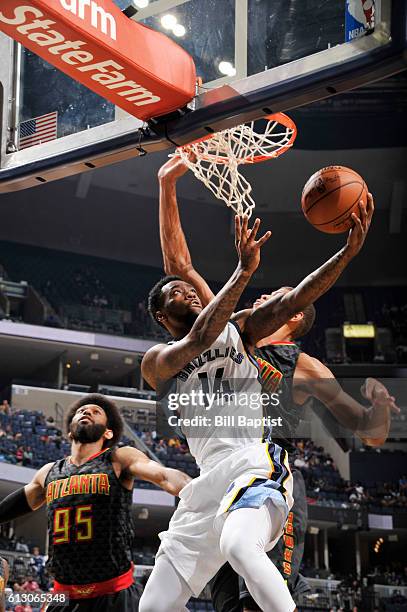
x,y
358,233
382,405
248,248
173,169
378,395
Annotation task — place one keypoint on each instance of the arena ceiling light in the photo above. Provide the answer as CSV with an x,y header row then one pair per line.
x,y
141,3
179,30
168,21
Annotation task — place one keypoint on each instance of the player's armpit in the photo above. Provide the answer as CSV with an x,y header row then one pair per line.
x,y
241,317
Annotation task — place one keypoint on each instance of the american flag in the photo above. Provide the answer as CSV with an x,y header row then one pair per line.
x,y
38,130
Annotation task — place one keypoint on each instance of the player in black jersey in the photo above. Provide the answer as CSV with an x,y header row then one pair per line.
x,y
298,376
88,498
283,367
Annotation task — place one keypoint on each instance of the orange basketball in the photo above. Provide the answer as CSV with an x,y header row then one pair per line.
x,y
330,196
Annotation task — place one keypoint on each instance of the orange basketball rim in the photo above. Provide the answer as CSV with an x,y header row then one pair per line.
x,y
142,71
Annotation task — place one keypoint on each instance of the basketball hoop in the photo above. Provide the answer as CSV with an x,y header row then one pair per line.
x,y
216,158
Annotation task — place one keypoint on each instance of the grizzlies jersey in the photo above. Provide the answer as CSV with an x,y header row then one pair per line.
x,y
89,521
215,400
277,363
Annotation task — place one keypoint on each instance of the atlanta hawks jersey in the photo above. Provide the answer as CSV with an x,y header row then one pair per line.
x,y
89,521
277,363
216,400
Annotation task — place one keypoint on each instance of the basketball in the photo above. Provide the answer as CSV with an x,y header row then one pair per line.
x,y
330,197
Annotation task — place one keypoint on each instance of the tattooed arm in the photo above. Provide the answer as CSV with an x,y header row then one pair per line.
x,y
162,362
371,424
283,305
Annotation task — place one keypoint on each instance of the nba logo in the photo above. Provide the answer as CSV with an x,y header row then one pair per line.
x,y
359,18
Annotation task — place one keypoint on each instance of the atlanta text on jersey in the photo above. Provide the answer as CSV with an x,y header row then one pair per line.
x,y
78,485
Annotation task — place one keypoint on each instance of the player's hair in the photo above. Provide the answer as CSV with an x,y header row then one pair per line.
x,y
155,296
306,322
114,419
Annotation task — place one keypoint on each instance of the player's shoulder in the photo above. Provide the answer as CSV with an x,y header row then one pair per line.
x,y
43,472
311,366
154,351
150,357
125,455
46,468
126,451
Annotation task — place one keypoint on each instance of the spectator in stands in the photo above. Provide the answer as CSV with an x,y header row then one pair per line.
x,y
23,608
300,463
27,456
49,421
18,586
403,484
31,585
20,455
5,408
389,496
21,545
58,438
397,598
161,449
174,443
37,562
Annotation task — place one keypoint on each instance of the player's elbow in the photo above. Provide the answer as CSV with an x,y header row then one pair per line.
x,y
200,337
176,267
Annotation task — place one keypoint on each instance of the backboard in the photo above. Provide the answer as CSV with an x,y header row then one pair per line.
x,y
254,57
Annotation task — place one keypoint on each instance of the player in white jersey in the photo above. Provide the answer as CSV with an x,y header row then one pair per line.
x,y
244,476
224,381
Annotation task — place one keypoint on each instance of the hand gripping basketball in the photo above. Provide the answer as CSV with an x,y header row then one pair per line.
x,y
248,248
358,232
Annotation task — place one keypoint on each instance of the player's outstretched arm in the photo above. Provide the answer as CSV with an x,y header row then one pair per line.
x,y
281,307
174,247
137,465
25,500
162,362
371,424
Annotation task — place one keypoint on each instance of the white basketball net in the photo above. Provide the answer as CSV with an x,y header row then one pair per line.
x,y
218,158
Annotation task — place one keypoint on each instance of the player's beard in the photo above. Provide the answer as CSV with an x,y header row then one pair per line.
x,y
86,433
191,317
